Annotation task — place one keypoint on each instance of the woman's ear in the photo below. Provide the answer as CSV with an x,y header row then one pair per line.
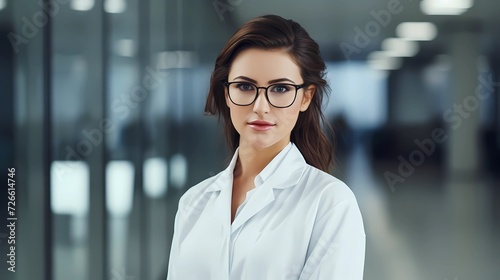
x,y
308,96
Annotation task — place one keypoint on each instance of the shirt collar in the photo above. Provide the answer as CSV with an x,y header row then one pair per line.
x,y
284,170
272,166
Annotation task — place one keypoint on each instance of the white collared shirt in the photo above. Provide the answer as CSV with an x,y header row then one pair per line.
x,y
297,223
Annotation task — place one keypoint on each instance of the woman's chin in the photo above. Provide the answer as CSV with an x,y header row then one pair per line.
x,y
263,144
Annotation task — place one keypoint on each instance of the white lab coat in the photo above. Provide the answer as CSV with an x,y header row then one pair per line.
x,y
297,223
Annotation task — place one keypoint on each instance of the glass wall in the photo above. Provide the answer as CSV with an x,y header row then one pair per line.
x,y
127,92
77,134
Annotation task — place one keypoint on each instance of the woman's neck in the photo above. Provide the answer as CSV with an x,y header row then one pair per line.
x,y
252,161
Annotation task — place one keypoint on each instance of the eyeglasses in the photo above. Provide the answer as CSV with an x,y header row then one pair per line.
x,y
278,95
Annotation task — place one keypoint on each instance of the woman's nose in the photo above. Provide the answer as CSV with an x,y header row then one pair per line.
x,y
261,105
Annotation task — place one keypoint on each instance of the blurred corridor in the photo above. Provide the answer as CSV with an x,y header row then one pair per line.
x,y
101,115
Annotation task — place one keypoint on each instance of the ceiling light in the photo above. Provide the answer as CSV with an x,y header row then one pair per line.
x,y
3,4
383,61
179,167
119,187
176,59
69,187
155,179
115,6
445,7
125,47
82,5
399,47
417,31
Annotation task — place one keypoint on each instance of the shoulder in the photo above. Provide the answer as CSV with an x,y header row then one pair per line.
x,y
328,187
197,191
331,195
335,201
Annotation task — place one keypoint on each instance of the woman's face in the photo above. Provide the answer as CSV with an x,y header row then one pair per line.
x,y
260,125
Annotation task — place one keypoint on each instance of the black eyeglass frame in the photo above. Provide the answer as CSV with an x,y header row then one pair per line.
x,y
297,87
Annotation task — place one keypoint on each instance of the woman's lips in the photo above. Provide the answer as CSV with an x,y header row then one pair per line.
x,y
260,125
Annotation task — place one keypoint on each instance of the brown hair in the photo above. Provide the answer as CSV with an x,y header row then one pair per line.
x,y
275,32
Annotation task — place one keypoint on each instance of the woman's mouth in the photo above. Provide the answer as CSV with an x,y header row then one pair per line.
x,y
261,125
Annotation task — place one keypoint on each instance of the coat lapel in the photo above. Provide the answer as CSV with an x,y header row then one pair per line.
x,y
284,171
260,199
222,203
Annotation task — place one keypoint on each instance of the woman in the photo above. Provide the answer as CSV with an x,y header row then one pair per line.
x,y
275,212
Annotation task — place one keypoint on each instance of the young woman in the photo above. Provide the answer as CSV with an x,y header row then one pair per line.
x,y
275,212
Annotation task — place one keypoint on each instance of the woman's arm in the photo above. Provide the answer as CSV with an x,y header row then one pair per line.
x,y
337,247
174,248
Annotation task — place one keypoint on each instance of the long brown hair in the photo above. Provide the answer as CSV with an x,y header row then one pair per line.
x,y
275,32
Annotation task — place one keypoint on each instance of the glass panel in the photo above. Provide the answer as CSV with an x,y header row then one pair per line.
x,y
69,203
69,171
362,105
181,146
77,133
119,194
125,96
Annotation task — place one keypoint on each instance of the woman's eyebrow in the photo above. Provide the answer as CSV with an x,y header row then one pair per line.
x,y
246,78
270,82
281,80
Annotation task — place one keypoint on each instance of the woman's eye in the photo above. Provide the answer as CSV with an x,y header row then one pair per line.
x,y
280,88
245,87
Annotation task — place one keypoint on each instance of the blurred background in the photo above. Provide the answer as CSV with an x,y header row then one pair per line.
x,y
101,115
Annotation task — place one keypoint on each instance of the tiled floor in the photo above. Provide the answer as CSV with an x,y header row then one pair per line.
x,y
427,228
